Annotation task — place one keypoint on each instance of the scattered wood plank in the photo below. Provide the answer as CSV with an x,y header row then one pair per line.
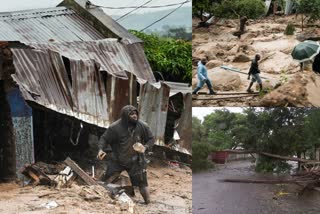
x,y
226,93
82,174
35,173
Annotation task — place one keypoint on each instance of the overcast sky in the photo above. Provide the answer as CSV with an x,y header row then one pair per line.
x,y
14,5
201,112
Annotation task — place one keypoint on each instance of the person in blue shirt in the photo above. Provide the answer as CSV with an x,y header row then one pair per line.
x,y
203,77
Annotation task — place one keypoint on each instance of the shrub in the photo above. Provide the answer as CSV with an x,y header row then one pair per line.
x,y
289,29
200,152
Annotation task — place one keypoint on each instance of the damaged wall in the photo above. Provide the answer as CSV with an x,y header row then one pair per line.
x,y
21,115
185,124
153,108
7,145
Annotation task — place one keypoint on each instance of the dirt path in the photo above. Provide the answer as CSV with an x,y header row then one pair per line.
x,y
213,197
170,189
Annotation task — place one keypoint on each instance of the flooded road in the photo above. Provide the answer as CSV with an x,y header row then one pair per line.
x,y
213,197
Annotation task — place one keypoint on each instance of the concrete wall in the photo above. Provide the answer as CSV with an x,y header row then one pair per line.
x,y
21,115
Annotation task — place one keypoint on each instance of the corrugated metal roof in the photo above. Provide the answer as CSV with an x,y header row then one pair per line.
x,y
114,57
85,94
97,16
42,78
43,25
175,87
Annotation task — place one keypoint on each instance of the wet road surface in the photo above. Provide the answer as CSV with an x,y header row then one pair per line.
x,y
213,197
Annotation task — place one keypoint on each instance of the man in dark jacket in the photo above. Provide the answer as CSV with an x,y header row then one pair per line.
x,y
254,72
316,64
123,135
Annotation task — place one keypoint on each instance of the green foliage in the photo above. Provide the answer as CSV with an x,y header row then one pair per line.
x,y
289,29
235,8
197,130
310,8
170,57
200,152
266,164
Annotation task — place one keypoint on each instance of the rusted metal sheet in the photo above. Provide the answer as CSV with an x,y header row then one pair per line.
x,y
185,124
112,56
103,22
178,87
47,84
99,72
153,108
43,25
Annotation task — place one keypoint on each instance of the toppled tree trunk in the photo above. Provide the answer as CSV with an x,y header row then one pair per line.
x,y
270,155
309,179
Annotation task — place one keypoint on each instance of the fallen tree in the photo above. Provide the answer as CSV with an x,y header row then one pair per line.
x,y
308,179
301,160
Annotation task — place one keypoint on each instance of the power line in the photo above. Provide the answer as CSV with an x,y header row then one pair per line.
x,y
122,9
154,6
134,10
163,17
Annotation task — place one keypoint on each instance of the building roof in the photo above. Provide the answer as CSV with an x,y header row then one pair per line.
x,y
43,25
76,87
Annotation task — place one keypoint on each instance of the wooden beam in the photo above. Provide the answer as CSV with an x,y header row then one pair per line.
x,y
82,174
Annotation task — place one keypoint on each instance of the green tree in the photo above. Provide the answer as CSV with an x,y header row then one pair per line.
x,y
169,56
309,9
237,8
197,130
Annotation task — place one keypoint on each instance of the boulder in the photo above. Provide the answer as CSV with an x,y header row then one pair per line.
x,y
266,84
224,80
241,58
213,63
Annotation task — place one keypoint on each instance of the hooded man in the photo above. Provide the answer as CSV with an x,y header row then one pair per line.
x,y
254,72
123,136
203,77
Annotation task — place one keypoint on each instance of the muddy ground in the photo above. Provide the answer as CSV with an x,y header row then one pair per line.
x,y
170,188
212,196
286,84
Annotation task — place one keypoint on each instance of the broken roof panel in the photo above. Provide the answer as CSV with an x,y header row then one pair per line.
x,y
81,90
47,84
43,25
112,56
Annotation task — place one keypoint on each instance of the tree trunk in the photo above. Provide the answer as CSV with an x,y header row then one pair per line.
x,y
302,22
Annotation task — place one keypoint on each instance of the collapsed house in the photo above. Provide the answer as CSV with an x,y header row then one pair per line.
x,y
65,73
